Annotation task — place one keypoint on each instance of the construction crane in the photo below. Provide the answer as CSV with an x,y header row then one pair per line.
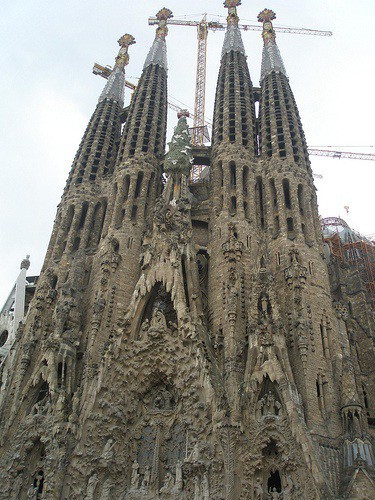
x,y
203,26
105,71
341,154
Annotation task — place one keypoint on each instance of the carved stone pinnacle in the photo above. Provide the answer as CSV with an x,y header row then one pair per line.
x,y
164,14
126,40
266,15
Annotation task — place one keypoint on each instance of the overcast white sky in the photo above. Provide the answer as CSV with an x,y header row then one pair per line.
x,y
48,94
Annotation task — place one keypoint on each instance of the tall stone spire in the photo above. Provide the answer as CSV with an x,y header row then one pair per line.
x,y
281,130
233,39
271,57
234,118
97,152
158,51
145,129
114,88
82,208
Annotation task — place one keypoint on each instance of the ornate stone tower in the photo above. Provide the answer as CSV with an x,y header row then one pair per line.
x,y
187,340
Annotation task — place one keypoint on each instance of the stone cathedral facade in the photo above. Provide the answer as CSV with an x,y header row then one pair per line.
x,y
192,340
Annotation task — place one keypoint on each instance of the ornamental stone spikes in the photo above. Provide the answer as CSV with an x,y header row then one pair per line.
x,y
232,11
122,58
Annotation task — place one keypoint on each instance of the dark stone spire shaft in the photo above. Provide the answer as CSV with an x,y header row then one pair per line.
x,y
281,132
97,152
145,129
234,116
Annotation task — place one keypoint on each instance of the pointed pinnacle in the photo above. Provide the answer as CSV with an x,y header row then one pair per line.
x,y
265,17
122,58
163,15
232,5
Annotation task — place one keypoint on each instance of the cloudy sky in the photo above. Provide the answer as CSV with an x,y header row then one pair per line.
x,y
48,94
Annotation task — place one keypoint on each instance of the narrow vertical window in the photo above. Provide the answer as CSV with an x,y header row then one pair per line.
x,y
245,180
300,198
138,185
260,201
233,178
286,193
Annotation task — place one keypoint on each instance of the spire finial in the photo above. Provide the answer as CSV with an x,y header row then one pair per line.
x,y
158,51
265,17
122,58
271,59
163,15
232,5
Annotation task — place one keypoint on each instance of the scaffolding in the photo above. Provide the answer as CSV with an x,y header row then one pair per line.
x,y
357,251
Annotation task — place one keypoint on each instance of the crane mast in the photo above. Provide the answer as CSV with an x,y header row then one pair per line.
x,y
200,92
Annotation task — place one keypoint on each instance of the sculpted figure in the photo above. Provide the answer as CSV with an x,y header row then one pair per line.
x,y
158,321
289,488
259,408
106,491
258,489
107,453
32,492
179,483
205,488
168,483
135,475
146,478
195,454
91,487
274,494
197,489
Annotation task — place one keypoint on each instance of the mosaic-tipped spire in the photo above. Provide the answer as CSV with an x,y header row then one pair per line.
x,y
234,116
114,88
233,39
145,128
158,51
271,58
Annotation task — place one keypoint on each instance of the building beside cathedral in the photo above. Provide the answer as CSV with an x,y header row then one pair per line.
x,y
188,340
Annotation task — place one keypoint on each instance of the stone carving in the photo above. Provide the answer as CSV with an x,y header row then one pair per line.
x,y
268,406
258,489
195,453
168,484
274,494
106,490
146,478
108,451
179,482
205,488
289,488
135,476
91,487
158,323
